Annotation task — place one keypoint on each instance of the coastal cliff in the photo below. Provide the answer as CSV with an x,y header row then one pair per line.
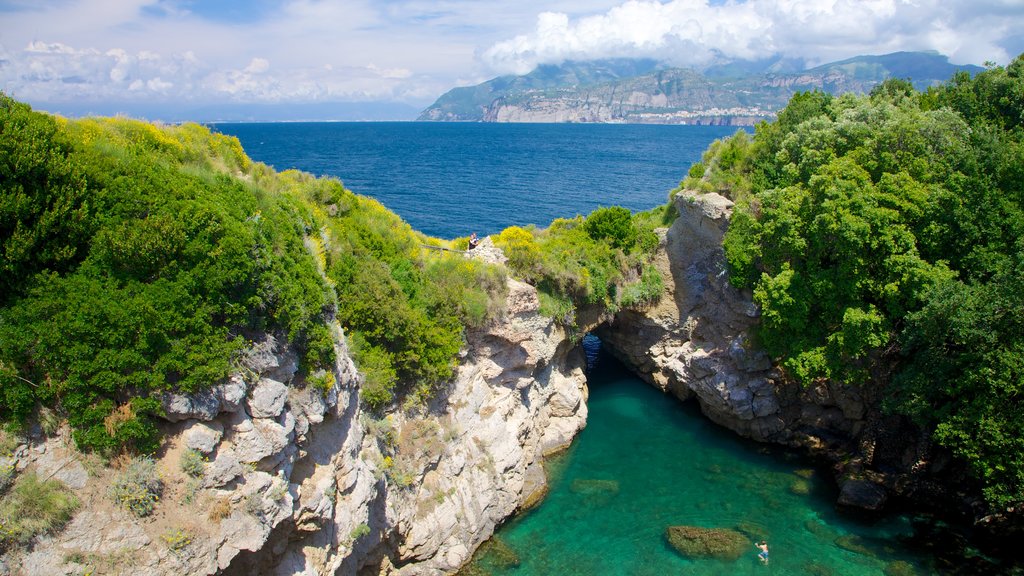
x,y
698,343
300,482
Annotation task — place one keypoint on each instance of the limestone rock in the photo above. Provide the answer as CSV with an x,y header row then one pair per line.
x,y
60,463
267,357
696,342
488,252
268,398
203,436
206,404
299,482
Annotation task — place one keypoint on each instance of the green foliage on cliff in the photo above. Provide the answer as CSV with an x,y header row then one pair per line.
x,y
880,234
137,259
603,260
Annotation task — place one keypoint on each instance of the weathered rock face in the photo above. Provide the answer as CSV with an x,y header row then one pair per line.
x,y
300,481
695,342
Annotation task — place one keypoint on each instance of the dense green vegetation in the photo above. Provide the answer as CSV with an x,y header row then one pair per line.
x,y
137,259
603,260
881,236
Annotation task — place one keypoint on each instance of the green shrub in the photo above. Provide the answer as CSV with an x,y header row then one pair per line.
x,y
584,261
360,530
136,256
323,381
34,507
645,291
614,224
192,462
177,539
7,474
137,488
880,236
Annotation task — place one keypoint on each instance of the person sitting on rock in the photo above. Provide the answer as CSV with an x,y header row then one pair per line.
x,y
473,241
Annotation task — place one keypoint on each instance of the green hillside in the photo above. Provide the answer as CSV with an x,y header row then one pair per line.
x,y
138,259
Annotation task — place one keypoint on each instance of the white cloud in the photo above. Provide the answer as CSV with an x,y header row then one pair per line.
x,y
257,66
692,31
166,51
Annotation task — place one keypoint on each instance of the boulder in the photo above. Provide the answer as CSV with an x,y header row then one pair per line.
x,y
205,404
696,542
203,436
268,399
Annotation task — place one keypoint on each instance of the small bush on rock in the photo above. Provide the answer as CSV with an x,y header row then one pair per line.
x,y
192,463
137,489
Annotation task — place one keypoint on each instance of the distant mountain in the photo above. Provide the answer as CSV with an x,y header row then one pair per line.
x,y
642,91
471,103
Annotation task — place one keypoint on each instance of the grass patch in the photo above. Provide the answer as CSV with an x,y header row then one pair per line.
x,y
33,507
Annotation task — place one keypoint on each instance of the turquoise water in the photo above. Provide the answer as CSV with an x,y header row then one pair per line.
x,y
645,462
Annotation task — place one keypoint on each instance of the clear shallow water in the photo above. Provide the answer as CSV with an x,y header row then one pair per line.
x,y
645,462
448,180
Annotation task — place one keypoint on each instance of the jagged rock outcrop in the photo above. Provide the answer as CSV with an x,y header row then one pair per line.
x,y
695,342
298,480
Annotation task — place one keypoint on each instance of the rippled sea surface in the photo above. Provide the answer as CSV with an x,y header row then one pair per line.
x,y
449,180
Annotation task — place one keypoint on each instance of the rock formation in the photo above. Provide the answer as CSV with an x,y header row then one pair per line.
x,y
297,479
697,343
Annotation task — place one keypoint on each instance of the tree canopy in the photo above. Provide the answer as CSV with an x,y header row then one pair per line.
x,y
881,234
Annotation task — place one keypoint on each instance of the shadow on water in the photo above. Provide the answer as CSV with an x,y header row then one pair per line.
x,y
646,462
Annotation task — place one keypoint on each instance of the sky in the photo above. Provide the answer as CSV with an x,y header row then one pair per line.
x,y
188,54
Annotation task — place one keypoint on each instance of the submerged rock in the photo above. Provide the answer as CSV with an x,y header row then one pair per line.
x,y
863,495
594,486
496,552
696,542
753,530
800,487
900,568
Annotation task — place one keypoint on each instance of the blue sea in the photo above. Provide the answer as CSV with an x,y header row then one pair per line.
x,y
645,461
450,179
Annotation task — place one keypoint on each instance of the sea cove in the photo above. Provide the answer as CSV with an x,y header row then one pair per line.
x,y
645,460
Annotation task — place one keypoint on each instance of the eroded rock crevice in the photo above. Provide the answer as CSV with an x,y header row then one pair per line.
x,y
698,343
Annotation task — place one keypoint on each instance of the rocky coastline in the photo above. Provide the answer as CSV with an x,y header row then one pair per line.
x,y
299,480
